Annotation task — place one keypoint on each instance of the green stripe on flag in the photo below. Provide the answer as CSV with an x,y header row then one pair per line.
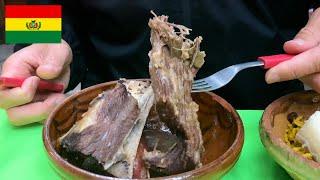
x,y
13,37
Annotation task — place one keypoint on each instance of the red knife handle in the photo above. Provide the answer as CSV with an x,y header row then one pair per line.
x,y
273,60
43,85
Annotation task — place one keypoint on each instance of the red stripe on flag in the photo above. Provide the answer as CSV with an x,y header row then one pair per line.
x,y
33,11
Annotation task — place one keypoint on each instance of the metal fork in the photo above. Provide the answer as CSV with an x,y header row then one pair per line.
x,y
224,76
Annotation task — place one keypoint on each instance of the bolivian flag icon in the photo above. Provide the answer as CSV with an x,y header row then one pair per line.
x,y
32,24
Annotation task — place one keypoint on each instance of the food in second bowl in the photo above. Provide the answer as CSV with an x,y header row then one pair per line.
x,y
303,135
122,135
309,135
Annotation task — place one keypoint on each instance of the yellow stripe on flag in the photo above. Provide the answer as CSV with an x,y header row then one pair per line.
x,y
33,24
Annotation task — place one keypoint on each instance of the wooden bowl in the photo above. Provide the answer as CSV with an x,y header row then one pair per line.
x,y
220,124
272,130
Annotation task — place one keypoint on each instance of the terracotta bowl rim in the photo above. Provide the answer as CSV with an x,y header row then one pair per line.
x,y
266,127
65,165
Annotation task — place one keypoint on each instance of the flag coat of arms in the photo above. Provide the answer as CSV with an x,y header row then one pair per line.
x,y
32,24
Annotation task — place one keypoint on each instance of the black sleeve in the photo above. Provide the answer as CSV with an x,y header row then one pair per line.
x,y
314,4
69,34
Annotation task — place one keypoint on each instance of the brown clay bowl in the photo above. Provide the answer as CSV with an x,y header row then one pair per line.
x,y
220,124
272,130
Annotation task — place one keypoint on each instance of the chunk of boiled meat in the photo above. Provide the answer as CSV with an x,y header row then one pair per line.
x,y
174,61
111,129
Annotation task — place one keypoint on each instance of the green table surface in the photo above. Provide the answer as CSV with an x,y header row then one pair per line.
x,y
22,154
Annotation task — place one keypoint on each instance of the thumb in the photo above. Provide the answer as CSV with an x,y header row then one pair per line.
x,y
57,57
307,38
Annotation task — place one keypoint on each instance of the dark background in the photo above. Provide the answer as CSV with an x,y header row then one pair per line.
x,y
232,35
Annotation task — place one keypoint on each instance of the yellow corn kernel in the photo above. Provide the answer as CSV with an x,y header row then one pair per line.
x,y
307,155
298,121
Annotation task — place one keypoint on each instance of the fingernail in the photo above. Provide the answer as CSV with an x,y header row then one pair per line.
x,y
298,41
48,71
272,78
35,81
59,101
56,103
51,68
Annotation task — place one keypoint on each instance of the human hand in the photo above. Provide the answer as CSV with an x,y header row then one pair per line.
x,y
306,65
24,104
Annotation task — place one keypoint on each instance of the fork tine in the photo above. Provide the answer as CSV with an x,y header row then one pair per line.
x,y
198,81
203,90
200,84
201,87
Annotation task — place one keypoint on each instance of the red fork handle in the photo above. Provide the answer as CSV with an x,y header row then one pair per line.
x,y
273,60
43,85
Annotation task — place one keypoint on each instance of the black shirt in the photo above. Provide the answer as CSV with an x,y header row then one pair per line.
x,y
110,40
